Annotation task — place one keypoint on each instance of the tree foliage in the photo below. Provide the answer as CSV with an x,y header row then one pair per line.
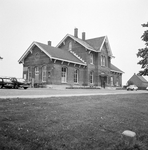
x,y
143,53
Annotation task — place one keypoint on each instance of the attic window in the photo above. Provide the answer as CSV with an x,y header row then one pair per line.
x,y
70,46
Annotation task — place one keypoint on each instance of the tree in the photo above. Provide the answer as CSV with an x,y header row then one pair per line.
x,y
143,53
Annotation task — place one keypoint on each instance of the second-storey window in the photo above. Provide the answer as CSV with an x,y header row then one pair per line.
x,y
91,59
103,60
70,46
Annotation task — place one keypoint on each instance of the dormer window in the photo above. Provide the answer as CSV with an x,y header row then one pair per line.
x,y
70,46
91,59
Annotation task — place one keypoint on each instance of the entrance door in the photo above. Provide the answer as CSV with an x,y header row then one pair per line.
x,y
103,80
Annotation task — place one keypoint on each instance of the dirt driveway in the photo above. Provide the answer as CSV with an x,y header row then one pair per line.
x,y
44,92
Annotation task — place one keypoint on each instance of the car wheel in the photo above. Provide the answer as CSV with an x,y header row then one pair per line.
x,y
25,88
16,86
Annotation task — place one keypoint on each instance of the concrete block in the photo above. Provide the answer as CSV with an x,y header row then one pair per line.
x,y
129,136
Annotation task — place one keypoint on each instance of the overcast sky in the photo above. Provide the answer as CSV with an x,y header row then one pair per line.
x,y
25,21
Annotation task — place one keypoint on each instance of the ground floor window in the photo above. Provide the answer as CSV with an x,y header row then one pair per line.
x,y
36,74
111,81
64,75
29,74
91,77
44,74
76,76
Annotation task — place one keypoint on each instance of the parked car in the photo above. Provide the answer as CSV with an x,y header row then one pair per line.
x,y
132,87
19,83
6,82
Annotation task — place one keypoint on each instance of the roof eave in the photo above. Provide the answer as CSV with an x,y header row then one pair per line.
x,y
117,71
84,64
107,42
29,49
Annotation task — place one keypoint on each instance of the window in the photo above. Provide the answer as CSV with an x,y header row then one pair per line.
x,y
76,76
29,74
64,75
111,81
103,60
44,74
91,59
91,77
70,46
36,71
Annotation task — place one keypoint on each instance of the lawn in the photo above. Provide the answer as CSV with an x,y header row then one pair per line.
x,y
74,123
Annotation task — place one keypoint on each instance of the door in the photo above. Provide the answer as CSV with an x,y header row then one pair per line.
x,y
103,80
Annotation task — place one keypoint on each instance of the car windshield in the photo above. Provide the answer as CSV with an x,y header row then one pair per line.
x,y
21,80
7,80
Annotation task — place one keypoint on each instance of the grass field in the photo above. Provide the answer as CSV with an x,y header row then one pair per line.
x,y
74,123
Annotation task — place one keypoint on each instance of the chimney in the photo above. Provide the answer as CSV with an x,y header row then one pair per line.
x,y
76,32
49,43
83,36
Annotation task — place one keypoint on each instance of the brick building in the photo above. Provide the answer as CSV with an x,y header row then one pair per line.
x,y
73,61
139,81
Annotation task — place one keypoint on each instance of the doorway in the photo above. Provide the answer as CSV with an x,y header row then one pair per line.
x,y
103,80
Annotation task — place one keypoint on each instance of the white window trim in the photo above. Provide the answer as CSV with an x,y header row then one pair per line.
x,y
64,75
36,70
112,81
70,46
103,60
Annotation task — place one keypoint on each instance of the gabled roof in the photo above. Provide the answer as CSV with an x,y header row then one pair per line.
x,y
83,43
142,78
115,69
94,44
54,53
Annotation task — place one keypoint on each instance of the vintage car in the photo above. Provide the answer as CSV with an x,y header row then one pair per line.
x,y
132,87
19,83
6,83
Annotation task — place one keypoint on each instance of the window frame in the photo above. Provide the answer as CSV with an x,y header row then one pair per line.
x,y
64,74
91,77
76,76
103,60
112,81
91,58
44,73
29,74
70,46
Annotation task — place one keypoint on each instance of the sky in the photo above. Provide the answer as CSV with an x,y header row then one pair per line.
x,y
25,21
